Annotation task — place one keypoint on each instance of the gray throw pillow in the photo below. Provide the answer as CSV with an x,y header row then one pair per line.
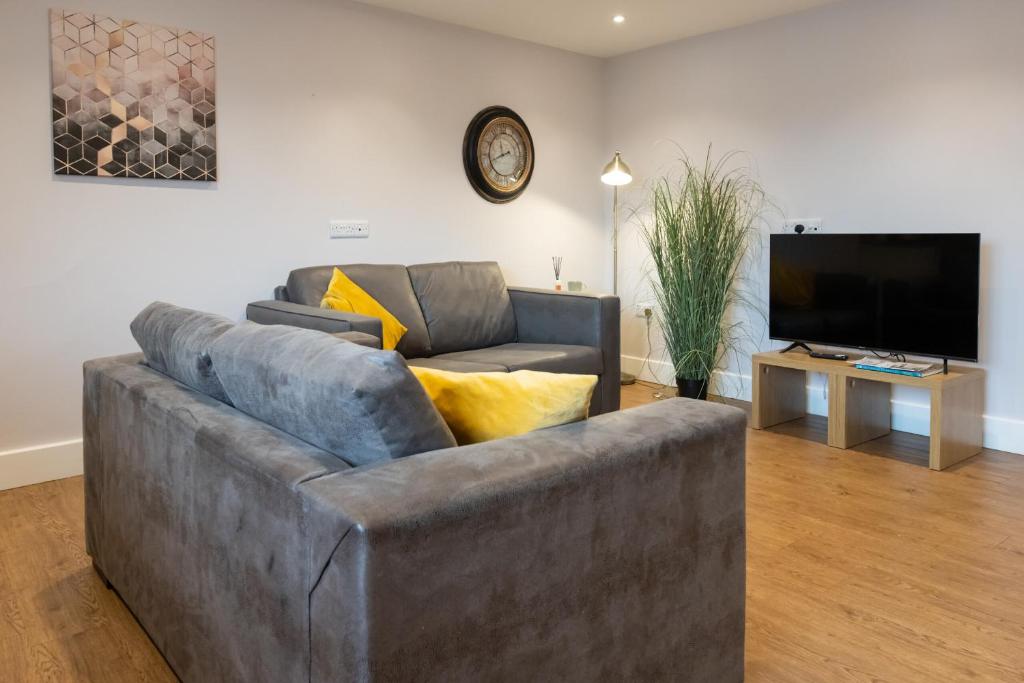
x,y
361,404
176,341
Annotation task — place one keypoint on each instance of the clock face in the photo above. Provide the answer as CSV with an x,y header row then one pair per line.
x,y
498,154
503,154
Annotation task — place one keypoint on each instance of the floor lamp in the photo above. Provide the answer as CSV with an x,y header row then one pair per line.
x,y
617,173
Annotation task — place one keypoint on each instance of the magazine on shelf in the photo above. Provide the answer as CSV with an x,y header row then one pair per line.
x,y
895,367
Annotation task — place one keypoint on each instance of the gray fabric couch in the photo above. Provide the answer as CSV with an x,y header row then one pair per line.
x,y
606,550
462,317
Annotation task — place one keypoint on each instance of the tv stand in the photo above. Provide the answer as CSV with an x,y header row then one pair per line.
x,y
796,345
859,407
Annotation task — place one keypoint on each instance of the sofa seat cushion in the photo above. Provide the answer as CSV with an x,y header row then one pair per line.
x,y
436,363
465,305
566,358
176,341
358,403
389,285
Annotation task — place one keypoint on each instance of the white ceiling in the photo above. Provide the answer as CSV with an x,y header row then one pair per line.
x,y
586,26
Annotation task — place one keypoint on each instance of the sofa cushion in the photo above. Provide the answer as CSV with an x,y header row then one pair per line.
x,y
361,404
306,286
465,305
388,284
436,363
483,406
176,341
345,295
577,360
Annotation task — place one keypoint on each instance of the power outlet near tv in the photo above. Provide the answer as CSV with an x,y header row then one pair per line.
x,y
644,309
802,226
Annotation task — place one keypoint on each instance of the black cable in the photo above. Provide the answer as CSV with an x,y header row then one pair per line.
x,y
890,355
647,360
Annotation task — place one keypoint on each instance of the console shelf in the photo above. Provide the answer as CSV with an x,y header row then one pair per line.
x,y
859,402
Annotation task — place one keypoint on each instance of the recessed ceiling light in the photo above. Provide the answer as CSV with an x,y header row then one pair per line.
x,y
618,18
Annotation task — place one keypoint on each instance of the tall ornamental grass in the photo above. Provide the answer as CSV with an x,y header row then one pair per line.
x,y
703,225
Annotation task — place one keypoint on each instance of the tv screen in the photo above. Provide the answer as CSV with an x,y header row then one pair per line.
x,y
913,294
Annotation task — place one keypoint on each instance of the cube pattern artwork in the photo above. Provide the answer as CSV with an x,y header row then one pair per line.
x,y
132,100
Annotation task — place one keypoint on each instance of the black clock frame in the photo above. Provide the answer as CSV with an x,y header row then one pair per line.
x,y
470,160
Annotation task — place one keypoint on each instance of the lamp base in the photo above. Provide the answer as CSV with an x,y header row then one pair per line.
x,y
625,378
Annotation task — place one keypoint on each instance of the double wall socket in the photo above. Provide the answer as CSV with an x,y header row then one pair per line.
x,y
641,310
348,229
802,225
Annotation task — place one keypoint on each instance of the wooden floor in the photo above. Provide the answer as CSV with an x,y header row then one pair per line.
x,y
57,620
861,567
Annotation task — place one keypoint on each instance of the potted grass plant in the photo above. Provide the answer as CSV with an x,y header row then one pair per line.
x,y
703,224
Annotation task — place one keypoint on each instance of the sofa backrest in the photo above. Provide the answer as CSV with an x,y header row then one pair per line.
x,y
360,404
388,284
176,341
465,305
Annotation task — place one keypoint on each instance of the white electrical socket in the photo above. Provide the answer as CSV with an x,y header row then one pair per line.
x,y
803,225
347,229
640,310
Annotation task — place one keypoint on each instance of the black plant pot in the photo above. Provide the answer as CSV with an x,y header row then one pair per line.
x,y
692,388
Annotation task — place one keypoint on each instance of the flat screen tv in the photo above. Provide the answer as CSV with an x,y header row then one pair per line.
x,y
904,293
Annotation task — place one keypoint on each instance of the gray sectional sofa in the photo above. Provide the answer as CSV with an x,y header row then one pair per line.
x,y
462,317
277,504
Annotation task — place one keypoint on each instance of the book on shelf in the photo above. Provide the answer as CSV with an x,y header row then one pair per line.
x,y
896,367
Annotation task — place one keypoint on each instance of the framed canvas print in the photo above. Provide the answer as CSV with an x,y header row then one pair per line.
x,y
131,99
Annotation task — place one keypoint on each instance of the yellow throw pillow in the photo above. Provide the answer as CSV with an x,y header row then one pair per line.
x,y
344,295
480,406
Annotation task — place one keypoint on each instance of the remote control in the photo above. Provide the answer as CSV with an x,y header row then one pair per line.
x,y
830,356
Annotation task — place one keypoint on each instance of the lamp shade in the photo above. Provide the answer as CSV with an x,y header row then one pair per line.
x,y
617,172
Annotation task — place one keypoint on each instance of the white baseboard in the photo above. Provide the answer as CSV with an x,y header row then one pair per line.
x,y
1001,433
1004,434
36,464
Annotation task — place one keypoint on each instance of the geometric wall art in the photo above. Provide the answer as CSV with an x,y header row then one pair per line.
x,y
132,100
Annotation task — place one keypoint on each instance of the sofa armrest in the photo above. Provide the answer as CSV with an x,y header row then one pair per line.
x,y
194,512
547,317
360,338
323,319
611,549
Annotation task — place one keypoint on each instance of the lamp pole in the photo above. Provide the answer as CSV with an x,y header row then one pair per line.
x,y
615,240
617,172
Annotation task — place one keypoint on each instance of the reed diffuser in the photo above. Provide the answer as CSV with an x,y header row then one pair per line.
x,y
556,261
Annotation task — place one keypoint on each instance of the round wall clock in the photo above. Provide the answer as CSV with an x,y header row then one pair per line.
x,y
498,154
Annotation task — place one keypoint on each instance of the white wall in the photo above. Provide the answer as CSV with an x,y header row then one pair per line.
x,y
874,114
877,115
326,109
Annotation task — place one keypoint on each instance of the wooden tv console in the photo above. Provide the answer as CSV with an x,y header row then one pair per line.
x,y
859,402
